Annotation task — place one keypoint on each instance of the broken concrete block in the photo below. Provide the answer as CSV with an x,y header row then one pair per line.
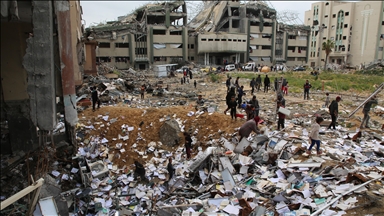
x,y
169,133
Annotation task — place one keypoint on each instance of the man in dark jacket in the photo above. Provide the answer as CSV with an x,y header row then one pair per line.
x,y
276,83
252,85
266,83
307,86
258,83
366,109
334,111
95,98
228,83
240,93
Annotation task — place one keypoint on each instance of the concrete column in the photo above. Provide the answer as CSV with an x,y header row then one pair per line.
x,y
167,16
39,64
67,74
150,45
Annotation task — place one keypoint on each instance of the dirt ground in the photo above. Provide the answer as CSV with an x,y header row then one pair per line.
x,y
206,124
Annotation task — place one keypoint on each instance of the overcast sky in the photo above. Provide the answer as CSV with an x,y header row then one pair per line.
x,y
95,12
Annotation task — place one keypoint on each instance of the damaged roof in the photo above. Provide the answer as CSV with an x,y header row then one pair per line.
x,y
135,19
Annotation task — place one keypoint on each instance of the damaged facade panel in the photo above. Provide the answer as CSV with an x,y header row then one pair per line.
x,y
29,70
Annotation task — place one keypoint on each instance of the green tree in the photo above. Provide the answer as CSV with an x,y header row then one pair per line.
x,y
327,46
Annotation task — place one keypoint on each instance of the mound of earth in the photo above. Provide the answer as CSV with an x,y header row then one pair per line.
x,y
208,126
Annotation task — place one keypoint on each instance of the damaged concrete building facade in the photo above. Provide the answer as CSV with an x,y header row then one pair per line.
x,y
41,63
223,32
152,34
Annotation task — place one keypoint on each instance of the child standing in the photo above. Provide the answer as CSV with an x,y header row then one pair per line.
x,y
280,122
286,89
327,100
314,136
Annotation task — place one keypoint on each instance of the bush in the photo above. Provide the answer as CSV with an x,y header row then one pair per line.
x,y
214,77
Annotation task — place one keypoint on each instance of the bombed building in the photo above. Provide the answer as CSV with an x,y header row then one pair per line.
x,y
223,31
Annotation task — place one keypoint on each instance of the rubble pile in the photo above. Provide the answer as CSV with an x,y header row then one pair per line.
x,y
266,174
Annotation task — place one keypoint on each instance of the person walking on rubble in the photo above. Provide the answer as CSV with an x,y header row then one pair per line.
x,y
170,169
232,105
266,83
240,93
258,83
139,170
95,98
255,103
281,120
249,126
199,102
188,144
276,84
195,83
142,91
307,86
314,136
334,111
237,82
366,109
252,85
228,83
190,73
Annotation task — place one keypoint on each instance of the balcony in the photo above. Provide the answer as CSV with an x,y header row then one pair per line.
x,y
168,52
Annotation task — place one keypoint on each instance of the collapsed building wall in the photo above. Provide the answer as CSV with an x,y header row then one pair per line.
x,y
31,75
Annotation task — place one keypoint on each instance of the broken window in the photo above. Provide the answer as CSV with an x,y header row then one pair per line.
x,y
235,23
155,20
122,45
175,33
104,45
210,39
192,58
160,58
345,25
159,46
159,32
334,16
124,59
255,35
266,36
217,39
176,46
203,39
265,47
223,39
103,59
292,37
267,24
234,40
229,39
344,37
192,46
255,23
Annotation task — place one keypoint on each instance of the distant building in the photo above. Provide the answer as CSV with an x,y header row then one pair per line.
x,y
224,31
357,28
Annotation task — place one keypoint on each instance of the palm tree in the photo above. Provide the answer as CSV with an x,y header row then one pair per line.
x,y
327,47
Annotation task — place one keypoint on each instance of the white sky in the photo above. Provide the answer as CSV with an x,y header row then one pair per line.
x,y
99,11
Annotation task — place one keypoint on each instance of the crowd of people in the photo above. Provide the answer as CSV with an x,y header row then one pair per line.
x,y
234,101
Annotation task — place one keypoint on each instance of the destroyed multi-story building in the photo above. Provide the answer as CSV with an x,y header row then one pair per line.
x,y
223,31
41,63
357,29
